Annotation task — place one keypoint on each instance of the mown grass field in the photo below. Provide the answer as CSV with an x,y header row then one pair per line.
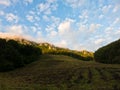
x,y
58,72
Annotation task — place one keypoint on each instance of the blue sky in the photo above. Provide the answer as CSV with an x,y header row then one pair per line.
x,y
74,24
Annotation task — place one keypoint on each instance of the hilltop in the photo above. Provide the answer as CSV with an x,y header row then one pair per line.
x,y
17,52
48,48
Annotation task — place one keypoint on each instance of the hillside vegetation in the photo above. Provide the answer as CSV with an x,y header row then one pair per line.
x,y
109,53
57,68
54,50
18,52
58,72
14,54
51,49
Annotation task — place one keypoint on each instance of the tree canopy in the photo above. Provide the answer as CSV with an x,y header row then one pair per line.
x,y
14,54
109,53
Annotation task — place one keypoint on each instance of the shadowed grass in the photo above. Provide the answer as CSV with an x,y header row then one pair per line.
x,y
58,72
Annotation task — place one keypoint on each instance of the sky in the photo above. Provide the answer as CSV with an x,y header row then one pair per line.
x,y
73,24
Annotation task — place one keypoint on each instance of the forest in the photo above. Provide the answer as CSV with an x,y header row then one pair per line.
x,y
109,53
14,54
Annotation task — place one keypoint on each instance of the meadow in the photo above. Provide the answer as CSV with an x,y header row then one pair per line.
x,y
59,72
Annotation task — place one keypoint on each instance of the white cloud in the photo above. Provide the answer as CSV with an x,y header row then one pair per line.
x,y
94,27
51,1
51,29
39,33
112,33
37,18
117,32
15,29
117,21
75,35
55,20
106,8
116,8
8,2
53,33
32,12
108,30
30,18
34,29
84,14
67,32
5,2
65,26
79,47
26,2
42,7
8,35
40,37
1,13
75,3
45,17
99,41
62,43
82,27
47,7
12,18
101,16
14,36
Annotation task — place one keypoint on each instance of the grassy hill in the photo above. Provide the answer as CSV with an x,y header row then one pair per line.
x,y
58,72
48,48
109,53
51,49
57,68
17,52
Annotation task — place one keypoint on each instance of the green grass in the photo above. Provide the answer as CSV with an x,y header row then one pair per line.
x,y
58,72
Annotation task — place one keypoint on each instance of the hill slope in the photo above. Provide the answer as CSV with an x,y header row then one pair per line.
x,y
56,72
14,54
48,48
109,53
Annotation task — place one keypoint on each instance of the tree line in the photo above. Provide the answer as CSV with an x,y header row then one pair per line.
x,y
70,53
109,53
14,54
